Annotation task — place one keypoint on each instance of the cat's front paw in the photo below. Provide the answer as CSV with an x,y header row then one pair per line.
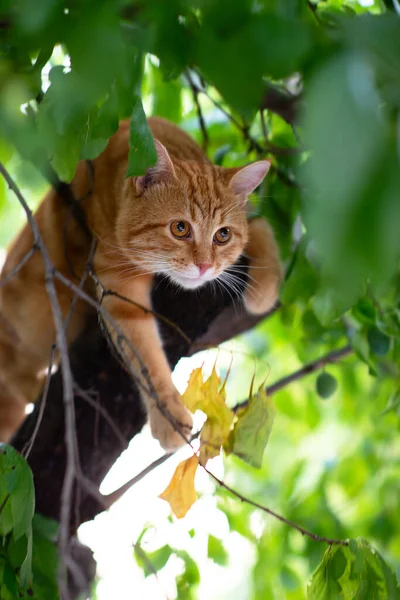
x,y
171,438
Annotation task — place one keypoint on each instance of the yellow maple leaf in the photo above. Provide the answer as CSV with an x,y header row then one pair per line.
x,y
180,493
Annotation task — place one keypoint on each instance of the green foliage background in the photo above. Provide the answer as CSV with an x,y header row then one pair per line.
x,y
70,70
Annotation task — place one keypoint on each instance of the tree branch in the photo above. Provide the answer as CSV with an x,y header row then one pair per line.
x,y
310,534
68,396
330,358
200,116
311,367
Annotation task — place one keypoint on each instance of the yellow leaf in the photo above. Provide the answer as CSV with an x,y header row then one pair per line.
x,y
219,418
209,396
212,389
212,437
193,396
180,493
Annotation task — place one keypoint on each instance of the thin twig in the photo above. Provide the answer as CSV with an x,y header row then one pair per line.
x,y
110,499
263,125
19,266
27,450
82,282
253,143
200,116
104,413
121,338
6,498
68,396
107,292
310,367
310,534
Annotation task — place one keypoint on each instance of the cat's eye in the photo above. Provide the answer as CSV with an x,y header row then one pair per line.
x,y
180,229
223,235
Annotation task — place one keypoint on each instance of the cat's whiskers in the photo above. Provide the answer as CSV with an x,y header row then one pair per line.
x,y
144,268
244,273
224,285
237,282
123,252
135,265
238,267
133,271
163,277
116,266
127,277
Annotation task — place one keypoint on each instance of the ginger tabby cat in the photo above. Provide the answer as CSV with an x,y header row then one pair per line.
x,y
185,218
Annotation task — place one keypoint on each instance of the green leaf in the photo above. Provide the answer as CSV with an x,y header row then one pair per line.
x,y
237,55
364,311
252,429
45,558
326,385
166,96
142,151
324,584
216,551
379,342
393,403
8,583
302,278
18,482
328,305
152,561
350,209
95,45
354,572
26,567
220,154
45,528
17,550
379,38
186,583
6,516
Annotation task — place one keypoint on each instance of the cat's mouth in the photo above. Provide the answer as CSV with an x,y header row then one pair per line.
x,y
190,283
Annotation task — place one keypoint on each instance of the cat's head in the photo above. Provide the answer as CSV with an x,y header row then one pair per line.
x,y
187,219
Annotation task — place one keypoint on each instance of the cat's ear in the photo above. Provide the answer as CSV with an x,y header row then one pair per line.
x,y
248,178
163,170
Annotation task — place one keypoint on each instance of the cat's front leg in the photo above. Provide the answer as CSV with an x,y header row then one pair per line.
x,y
170,421
265,269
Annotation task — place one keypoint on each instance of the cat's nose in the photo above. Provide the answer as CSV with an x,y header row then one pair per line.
x,y
203,267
